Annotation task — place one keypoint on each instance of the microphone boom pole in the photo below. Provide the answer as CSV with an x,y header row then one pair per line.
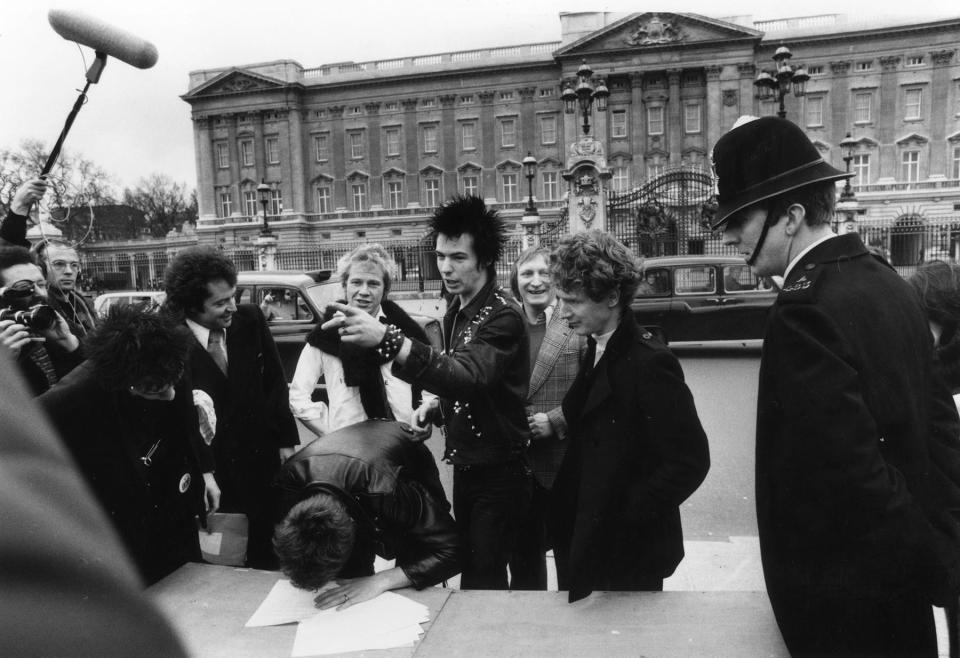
x,y
93,76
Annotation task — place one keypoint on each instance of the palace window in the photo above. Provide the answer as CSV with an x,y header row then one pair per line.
x,y
691,118
655,120
431,192
223,155
914,60
862,107
548,130
550,187
250,203
246,152
618,123
910,166
468,136
226,204
429,139
912,103
273,150
356,145
814,111
276,201
324,199
470,184
508,187
395,194
358,192
621,178
508,133
865,65
861,167
321,145
392,139
955,163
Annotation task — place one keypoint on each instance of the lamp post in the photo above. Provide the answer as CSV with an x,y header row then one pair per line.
x,y
786,78
585,95
531,217
264,191
847,203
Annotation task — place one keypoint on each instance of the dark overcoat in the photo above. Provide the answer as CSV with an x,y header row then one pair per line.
x,y
253,423
153,507
637,451
845,486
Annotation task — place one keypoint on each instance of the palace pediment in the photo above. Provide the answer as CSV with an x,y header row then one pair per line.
x,y
235,81
659,30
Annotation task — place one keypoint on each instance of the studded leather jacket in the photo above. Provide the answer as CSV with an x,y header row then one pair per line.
x,y
481,378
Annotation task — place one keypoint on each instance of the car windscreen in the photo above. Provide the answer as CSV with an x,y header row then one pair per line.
x,y
322,294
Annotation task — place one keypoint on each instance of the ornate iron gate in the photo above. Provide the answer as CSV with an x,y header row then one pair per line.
x,y
668,215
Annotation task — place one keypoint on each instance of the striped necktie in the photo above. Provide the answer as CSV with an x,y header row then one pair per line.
x,y
216,351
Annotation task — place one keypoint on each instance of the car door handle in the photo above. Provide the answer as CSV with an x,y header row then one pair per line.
x,y
714,300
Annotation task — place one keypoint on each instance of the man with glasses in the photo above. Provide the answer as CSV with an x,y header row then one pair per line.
x,y
37,336
61,266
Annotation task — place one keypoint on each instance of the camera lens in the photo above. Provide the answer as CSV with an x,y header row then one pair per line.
x,y
40,317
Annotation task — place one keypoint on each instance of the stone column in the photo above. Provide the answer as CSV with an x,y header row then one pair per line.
x,y
674,117
714,106
203,139
838,100
374,151
638,128
887,119
339,155
411,148
295,176
233,149
940,92
448,143
488,140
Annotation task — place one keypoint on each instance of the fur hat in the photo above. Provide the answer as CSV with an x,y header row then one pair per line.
x,y
762,158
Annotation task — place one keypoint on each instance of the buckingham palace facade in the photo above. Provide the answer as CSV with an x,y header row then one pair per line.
x,y
364,150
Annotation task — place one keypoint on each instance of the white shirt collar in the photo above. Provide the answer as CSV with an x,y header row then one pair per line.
x,y
803,253
201,332
602,340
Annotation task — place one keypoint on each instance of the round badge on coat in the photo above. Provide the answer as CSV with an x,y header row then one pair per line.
x,y
184,483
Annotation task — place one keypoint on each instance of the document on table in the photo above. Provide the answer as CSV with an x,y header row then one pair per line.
x,y
390,620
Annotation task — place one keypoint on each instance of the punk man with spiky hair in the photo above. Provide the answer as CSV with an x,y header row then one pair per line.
x,y
481,377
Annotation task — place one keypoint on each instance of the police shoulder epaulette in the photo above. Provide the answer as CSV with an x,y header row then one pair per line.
x,y
802,288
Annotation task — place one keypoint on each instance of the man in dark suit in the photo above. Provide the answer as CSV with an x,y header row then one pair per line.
x,y
555,352
235,360
853,525
637,449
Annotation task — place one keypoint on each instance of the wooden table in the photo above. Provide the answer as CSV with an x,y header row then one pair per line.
x,y
210,604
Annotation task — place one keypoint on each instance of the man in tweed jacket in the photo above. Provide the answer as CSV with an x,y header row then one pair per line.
x,y
555,352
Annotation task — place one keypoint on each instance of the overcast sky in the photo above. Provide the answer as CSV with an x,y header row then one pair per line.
x,y
135,123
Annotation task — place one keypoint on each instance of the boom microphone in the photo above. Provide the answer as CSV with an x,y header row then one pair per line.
x,y
103,37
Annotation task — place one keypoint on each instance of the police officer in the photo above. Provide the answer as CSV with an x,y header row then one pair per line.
x,y
848,523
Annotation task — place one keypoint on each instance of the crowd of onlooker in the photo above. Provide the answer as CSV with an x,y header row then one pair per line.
x,y
567,426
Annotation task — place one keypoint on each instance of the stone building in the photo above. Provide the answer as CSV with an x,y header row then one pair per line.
x,y
363,150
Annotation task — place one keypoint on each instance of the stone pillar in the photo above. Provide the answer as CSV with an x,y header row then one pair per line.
x,y
674,117
940,92
448,144
488,148
588,180
233,149
714,105
887,118
374,152
531,234
339,155
266,252
205,168
838,104
411,148
638,128
295,178
748,73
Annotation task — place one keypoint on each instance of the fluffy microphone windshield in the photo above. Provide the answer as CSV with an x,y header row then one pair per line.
x,y
103,37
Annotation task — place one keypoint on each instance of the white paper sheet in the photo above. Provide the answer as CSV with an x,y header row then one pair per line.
x,y
285,604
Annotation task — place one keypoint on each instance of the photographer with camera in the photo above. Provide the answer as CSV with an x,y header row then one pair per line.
x,y
38,337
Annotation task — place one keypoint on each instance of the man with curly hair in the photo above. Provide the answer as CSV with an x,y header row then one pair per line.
x,y
234,359
637,449
128,419
481,376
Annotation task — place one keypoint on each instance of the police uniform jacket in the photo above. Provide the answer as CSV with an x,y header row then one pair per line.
x,y
391,488
637,451
846,492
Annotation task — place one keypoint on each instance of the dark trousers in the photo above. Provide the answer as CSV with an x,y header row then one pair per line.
x,y
489,502
528,564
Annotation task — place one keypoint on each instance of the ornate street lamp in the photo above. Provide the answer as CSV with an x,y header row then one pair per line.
x,y
585,94
784,80
530,171
264,191
847,146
